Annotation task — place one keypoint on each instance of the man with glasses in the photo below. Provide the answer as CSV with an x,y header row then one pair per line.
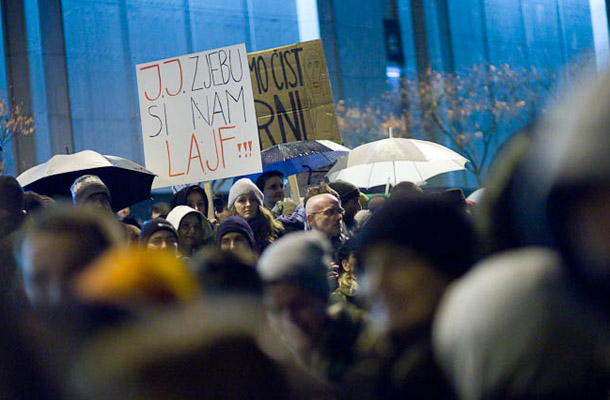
x,y
296,298
325,214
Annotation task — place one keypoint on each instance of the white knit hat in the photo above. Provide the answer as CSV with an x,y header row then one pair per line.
x,y
244,186
177,213
175,216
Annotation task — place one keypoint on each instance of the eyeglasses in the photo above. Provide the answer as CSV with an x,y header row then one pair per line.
x,y
331,212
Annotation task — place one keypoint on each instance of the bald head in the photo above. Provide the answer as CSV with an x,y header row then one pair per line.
x,y
377,202
319,201
324,213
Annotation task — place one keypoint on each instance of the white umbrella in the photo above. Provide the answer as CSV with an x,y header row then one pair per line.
x,y
395,160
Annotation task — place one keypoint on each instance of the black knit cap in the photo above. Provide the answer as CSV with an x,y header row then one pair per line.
x,y
155,225
434,229
346,190
235,224
11,195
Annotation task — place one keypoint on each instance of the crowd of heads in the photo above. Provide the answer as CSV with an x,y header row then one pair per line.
x,y
247,294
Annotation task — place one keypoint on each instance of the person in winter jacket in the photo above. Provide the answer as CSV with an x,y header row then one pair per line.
x,y
533,322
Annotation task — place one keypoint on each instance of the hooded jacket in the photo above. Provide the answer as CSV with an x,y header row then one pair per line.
x,y
569,160
176,215
533,322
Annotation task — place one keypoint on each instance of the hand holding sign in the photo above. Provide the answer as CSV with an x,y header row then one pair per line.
x,y
198,117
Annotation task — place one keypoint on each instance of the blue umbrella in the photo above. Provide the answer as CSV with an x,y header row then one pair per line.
x,y
295,157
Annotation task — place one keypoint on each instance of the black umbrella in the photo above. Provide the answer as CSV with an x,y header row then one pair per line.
x,y
127,181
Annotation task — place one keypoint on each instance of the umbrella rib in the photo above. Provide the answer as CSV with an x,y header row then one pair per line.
x,y
368,181
421,177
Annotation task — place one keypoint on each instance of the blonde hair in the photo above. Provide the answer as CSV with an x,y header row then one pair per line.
x,y
348,285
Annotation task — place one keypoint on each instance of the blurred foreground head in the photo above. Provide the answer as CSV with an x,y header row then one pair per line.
x,y
11,195
56,246
294,270
409,252
11,205
22,376
563,193
133,278
204,351
554,301
221,272
494,215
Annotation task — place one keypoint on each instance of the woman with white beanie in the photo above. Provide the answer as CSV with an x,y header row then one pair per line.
x,y
245,200
194,229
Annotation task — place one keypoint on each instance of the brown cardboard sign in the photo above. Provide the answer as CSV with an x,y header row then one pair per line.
x,y
292,94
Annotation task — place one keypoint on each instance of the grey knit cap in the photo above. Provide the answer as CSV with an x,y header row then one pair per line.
x,y
244,186
301,258
86,186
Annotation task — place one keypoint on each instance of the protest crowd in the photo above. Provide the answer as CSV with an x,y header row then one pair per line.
x,y
413,294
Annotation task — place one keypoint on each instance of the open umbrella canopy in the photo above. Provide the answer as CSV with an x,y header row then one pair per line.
x,y
127,181
395,160
296,157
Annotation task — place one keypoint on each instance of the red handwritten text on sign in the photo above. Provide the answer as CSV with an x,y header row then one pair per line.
x,y
196,110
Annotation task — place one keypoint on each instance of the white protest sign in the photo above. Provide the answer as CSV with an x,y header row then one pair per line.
x,y
198,117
